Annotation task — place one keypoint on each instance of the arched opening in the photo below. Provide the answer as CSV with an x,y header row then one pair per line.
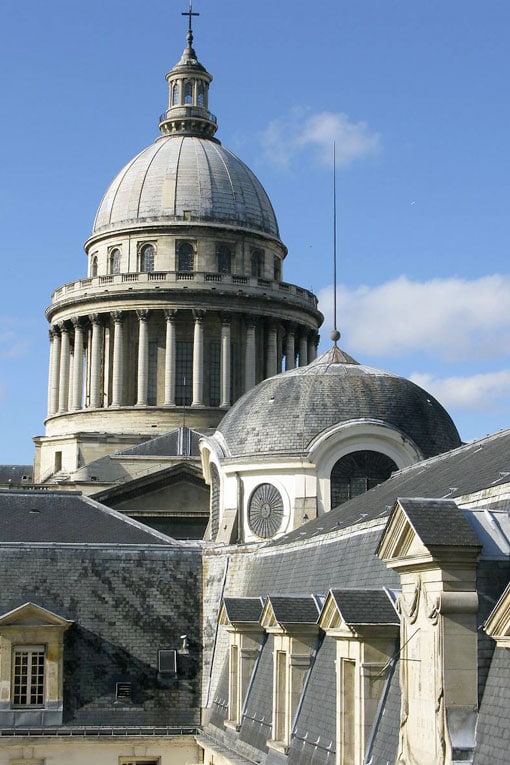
x,y
185,257
147,258
93,266
188,92
358,472
224,259
175,95
201,94
257,260
115,261
277,269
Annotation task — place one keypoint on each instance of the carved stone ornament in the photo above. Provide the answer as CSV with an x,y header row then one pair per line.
x,y
265,511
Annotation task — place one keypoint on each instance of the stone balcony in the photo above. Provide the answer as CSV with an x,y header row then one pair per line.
x,y
178,280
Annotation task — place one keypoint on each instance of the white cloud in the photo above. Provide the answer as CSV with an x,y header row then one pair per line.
x,y
453,319
284,138
489,392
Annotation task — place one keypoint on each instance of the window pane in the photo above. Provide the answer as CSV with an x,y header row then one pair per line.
x,y
28,676
185,257
184,373
147,258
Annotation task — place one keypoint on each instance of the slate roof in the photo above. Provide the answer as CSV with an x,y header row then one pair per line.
x,y
283,414
70,518
365,607
493,728
243,610
462,471
439,522
181,442
16,473
294,609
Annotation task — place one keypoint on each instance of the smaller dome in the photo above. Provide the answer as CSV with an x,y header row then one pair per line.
x,y
283,414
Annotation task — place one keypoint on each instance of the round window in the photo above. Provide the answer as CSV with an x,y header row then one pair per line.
x,y
265,511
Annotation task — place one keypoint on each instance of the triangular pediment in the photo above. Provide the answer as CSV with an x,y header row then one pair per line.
x,y
400,539
497,625
223,619
268,619
32,615
331,618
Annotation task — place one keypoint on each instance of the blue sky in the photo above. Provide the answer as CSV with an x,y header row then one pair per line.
x,y
415,93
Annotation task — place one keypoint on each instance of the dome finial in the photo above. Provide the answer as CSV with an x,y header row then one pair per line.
x,y
190,13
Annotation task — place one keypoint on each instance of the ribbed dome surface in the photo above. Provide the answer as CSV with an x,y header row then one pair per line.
x,y
182,177
284,413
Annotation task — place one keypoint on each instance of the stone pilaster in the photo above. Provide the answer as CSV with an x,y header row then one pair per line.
x,y
96,362
118,359
226,320
290,347
54,371
65,352
143,358
250,356
170,360
272,351
77,379
198,359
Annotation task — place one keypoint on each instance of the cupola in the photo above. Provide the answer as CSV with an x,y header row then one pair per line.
x,y
188,94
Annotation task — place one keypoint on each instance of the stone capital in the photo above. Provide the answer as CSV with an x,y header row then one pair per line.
x,y
143,314
170,314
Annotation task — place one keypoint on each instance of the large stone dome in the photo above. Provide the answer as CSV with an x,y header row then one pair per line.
x,y
186,178
283,414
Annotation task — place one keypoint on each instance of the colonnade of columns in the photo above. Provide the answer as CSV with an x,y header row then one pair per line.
x,y
85,359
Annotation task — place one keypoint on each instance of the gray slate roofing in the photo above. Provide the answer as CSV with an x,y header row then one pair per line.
x,y
294,609
493,728
243,610
439,522
15,473
365,606
181,442
186,174
283,414
462,471
68,517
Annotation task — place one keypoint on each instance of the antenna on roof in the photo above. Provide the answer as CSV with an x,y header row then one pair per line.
x,y
334,334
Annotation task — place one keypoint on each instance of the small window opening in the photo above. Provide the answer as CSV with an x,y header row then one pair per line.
x,y
185,257
93,266
188,92
115,261
58,461
257,259
277,269
224,259
175,95
147,258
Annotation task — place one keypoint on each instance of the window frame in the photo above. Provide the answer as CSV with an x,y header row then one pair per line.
x,y
26,686
143,250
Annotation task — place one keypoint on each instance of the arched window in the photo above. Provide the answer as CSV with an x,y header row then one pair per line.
x,y
201,94
93,266
358,472
188,92
147,258
185,257
175,95
115,261
224,259
257,261
277,269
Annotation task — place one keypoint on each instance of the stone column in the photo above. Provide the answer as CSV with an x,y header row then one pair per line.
x,y
198,359
313,342
143,358
226,320
170,360
290,347
77,379
54,371
250,359
65,355
118,359
96,362
303,350
271,351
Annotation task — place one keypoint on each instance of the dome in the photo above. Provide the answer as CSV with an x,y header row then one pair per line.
x,y
283,414
186,178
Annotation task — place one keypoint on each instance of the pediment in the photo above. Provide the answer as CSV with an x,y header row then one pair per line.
x,y
268,619
331,618
32,615
400,539
497,625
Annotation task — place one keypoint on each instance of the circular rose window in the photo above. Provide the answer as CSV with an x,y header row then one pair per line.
x,y
265,511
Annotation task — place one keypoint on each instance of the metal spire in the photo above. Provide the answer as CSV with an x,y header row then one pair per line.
x,y
334,334
190,13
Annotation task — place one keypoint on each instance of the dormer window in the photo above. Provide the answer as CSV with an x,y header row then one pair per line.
x,y
185,257
188,92
224,259
175,95
28,662
115,261
147,258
